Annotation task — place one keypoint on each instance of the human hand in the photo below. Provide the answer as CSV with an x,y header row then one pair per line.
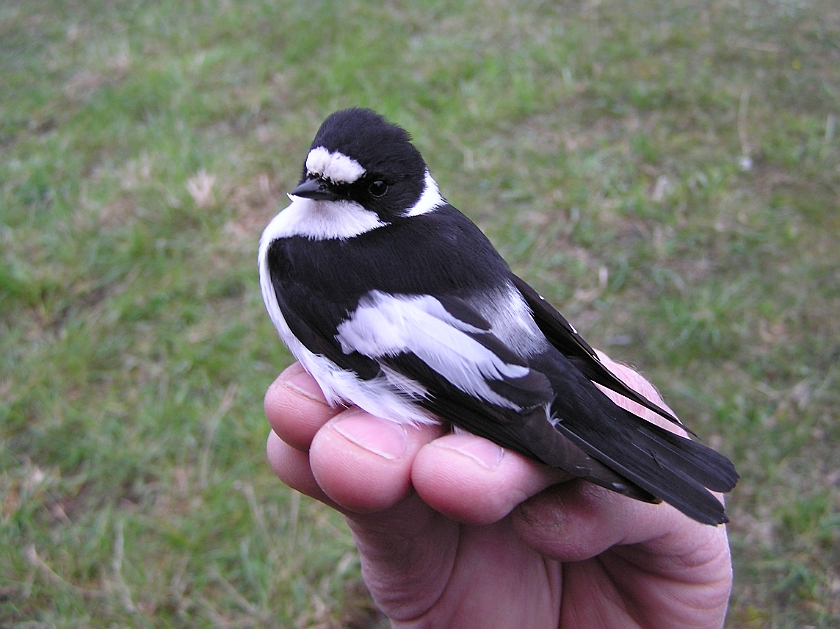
x,y
454,531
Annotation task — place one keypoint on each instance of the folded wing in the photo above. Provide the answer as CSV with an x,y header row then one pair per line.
x,y
565,338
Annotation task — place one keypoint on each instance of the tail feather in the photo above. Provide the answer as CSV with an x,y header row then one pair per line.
x,y
705,465
670,467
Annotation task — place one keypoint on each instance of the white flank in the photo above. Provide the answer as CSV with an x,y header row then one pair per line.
x,y
388,325
336,167
429,200
321,220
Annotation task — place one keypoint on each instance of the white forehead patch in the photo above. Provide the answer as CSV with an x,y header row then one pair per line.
x,y
336,167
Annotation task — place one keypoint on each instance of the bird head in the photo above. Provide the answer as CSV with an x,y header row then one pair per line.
x,y
359,157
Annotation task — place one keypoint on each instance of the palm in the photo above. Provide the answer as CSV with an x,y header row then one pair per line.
x,y
487,576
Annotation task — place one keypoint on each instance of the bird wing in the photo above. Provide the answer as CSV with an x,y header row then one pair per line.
x,y
442,344
445,344
566,339
480,369
476,381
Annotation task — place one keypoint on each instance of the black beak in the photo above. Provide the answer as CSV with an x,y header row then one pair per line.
x,y
316,189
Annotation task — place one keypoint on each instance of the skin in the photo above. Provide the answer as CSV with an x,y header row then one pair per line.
x,y
454,531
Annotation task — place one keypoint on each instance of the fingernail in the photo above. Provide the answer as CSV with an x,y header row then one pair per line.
x,y
379,436
484,452
298,381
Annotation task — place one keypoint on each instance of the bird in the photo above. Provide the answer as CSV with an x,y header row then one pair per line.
x,y
397,303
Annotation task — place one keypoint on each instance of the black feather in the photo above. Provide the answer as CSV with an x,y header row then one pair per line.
x,y
671,467
565,338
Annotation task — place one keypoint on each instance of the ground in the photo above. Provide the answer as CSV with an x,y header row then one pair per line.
x,y
667,174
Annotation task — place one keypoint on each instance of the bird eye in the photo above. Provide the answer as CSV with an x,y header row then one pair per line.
x,y
378,188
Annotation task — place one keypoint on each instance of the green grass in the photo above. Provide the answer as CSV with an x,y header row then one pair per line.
x,y
144,145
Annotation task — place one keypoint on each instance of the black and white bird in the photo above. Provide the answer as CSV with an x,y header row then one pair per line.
x,y
397,303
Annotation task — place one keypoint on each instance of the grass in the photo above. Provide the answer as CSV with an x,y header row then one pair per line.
x,y
669,176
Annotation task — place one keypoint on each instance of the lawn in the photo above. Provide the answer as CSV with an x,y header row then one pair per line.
x,y
667,174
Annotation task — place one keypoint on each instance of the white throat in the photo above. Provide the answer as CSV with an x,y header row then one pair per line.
x,y
321,220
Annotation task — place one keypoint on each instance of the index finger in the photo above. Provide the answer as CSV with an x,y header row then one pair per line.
x,y
296,408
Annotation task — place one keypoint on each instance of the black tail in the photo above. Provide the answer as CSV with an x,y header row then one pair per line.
x,y
679,471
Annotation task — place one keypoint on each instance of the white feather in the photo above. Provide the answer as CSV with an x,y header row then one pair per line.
x,y
336,166
321,220
429,200
387,325
512,322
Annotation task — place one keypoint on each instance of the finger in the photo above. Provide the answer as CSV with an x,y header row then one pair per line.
x,y
292,467
578,520
363,462
640,385
474,481
296,408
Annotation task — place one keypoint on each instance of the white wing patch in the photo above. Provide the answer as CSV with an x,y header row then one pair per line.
x,y
388,325
336,167
320,220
